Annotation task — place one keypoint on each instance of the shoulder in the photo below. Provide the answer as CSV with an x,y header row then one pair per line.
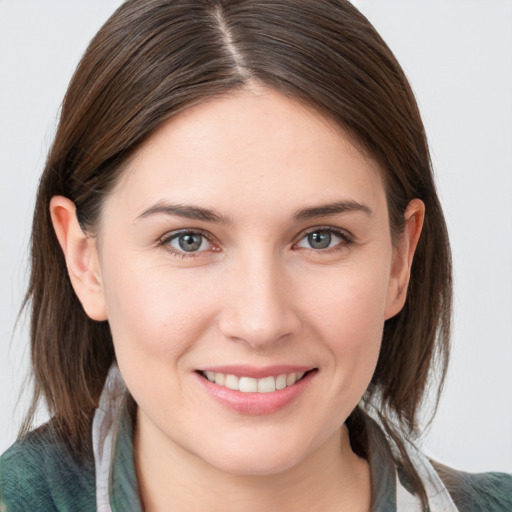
x,y
39,473
475,492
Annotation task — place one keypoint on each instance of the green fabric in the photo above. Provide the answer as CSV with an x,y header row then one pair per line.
x,y
477,492
124,493
382,471
37,474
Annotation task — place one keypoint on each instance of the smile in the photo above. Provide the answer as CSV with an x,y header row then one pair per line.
x,y
247,384
252,391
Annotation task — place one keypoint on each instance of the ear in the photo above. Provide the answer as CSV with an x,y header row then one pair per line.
x,y
81,257
403,256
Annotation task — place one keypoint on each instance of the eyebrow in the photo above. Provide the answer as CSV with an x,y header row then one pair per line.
x,y
208,215
186,211
331,209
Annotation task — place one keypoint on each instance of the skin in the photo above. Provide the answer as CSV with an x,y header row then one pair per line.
x,y
255,293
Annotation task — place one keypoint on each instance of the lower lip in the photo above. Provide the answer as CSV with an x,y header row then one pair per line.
x,y
256,403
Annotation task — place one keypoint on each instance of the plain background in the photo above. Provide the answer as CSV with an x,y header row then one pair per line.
x,y
458,57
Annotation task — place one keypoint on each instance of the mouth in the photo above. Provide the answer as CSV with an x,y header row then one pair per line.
x,y
253,390
248,384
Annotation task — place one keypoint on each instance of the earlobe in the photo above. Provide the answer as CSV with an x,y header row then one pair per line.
x,y
81,257
403,257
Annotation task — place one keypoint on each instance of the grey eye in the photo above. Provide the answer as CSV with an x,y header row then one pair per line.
x,y
320,239
188,242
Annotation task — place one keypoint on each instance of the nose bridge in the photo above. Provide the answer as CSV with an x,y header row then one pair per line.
x,y
258,304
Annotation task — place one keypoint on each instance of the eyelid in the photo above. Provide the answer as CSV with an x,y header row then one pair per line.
x,y
342,233
164,241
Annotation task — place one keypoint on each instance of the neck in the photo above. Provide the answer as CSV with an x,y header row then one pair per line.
x,y
330,478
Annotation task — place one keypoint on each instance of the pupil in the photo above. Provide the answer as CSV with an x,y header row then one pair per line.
x,y
190,242
319,239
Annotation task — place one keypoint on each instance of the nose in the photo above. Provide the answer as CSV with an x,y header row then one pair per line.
x,y
258,303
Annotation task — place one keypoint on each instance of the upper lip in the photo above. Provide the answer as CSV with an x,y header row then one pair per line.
x,y
256,372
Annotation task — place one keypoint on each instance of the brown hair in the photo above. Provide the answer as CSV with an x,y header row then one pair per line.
x,y
155,58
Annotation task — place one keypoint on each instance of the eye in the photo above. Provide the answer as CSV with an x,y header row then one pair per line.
x,y
321,239
186,242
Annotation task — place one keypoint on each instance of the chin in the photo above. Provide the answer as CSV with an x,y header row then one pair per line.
x,y
256,460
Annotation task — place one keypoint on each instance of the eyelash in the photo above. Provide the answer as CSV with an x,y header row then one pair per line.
x,y
169,237
346,238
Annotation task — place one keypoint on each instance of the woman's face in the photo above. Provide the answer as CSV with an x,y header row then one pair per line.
x,y
247,245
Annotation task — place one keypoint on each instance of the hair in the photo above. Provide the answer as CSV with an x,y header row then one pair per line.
x,y
154,58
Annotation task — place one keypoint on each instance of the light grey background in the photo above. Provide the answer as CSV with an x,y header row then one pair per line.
x,y
458,56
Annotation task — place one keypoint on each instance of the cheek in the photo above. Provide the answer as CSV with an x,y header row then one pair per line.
x,y
156,319
351,301
349,317
152,313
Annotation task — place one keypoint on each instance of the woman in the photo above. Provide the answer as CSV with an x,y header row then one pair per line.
x,y
240,273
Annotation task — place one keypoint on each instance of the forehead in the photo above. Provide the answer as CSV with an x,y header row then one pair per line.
x,y
251,145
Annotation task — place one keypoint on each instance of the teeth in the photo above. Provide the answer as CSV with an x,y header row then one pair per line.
x,y
291,379
281,382
267,385
250,385
231,382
